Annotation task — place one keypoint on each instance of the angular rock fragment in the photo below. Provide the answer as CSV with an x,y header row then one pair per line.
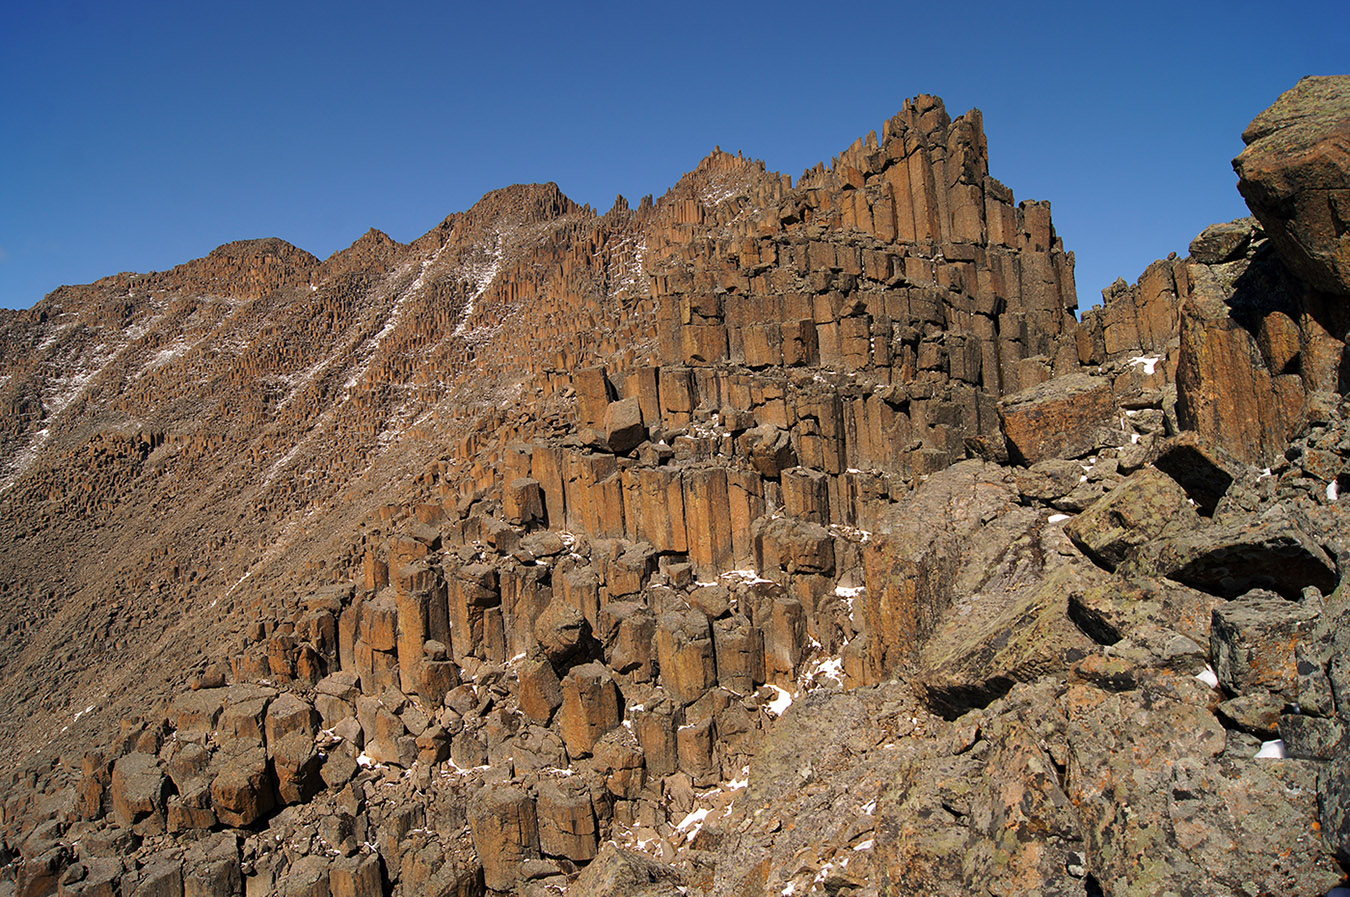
x,y
1232,558
624,429
138,788
1058,418
1148,505
566,820
1295,174
244,789
505,833
590,707
617,872
1253,640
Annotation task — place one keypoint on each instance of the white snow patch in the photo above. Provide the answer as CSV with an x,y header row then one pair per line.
x,y
1148,362
1056,518
1271,750
1333,490
692,824
850,591
870,807
25,456
828,668
299,381
481,275
866,845
625,265
852,533
748,576
1265,473
779,705
1208,677
166,355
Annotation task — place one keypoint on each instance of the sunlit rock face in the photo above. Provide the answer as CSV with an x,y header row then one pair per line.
x,y
768,537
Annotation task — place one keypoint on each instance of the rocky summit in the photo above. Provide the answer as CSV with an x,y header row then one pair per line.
x,y
771,537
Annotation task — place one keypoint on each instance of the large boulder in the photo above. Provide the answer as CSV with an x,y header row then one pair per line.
x,y
566,820
590,707
624,873
1295,176
1145,507
505,833
684,648
1273,551
1058,418
914,563
623,426
244,789
1168,806
1238,386
138,787
1253,640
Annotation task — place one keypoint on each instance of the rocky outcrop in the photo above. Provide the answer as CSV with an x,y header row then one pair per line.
x,y
769,537
1293,175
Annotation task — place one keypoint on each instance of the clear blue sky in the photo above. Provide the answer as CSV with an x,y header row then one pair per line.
x,y
137,135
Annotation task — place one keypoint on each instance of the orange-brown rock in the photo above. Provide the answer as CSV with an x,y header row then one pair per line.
x,y
1293,174
137,788
566,820
505,831
552,494
540,690
243,790
684,649
1057,419
590,707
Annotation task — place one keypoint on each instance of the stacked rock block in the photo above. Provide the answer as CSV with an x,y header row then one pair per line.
x,y
602,678
875,263
819,347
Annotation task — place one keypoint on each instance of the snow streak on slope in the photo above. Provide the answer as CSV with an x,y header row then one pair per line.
x,y
66,375
481,276
390,323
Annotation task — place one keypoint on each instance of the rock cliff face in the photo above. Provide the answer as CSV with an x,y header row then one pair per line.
x,y
770,537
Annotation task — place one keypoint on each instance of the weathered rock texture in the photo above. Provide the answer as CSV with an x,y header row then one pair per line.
x,y
1293,175
771,537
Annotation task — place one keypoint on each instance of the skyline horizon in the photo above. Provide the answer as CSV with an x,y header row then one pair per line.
x,y
142,138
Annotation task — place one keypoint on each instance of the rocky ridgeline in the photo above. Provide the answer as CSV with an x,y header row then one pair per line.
x,y
770,538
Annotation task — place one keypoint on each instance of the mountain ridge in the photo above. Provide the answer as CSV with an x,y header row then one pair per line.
x,y
555,512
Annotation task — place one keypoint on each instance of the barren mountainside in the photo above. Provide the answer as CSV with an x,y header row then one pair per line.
x,y
769,537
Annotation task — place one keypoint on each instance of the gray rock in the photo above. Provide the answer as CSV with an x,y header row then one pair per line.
x,y
1229,558
1252,642
1220,243
1145,507
616,872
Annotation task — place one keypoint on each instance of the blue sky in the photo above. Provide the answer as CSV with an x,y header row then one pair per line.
x,y
138,135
